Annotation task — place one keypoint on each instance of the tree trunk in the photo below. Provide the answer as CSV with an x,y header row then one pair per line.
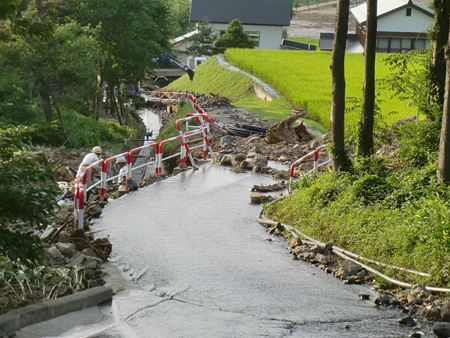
x,y
440,38
368,113
114,104
444,146
338,85
62,123
44,95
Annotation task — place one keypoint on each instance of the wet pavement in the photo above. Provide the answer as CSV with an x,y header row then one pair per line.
x,y
199,265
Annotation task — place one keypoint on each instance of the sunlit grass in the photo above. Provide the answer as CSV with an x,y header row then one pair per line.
x,y
305,78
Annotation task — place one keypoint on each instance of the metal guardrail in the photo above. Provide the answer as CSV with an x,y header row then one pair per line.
x,y
83,182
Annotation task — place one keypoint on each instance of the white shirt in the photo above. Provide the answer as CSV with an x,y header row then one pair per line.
x,y
89,159
123,174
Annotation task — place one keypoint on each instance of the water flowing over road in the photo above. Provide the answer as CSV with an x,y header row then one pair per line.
x,y
203,267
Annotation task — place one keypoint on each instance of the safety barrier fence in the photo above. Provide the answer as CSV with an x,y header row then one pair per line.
x,y
83,182
315,168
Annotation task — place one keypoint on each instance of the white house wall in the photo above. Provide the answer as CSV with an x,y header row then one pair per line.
x,y
181,46
269,36
397,21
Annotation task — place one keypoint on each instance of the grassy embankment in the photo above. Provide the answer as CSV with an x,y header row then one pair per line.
x,y
390,209
302,77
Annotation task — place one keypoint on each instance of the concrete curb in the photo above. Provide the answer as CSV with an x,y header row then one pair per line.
x,y
36,313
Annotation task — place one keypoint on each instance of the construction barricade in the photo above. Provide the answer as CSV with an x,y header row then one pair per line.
x,y
82,187
316,164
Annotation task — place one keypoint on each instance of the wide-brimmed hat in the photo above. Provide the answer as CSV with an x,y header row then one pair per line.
x,y
97,150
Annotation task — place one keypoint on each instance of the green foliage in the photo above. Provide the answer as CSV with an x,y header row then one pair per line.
x,y
180,11
210,77
203,41
420,142
60,70
409,79
234,37
27,194
14,20
39,282
85,132
371,189
130,34
399,217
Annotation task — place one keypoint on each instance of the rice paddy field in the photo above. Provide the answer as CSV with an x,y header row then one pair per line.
x,y
304,77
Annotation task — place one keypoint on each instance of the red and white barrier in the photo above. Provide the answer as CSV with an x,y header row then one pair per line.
x,y
316,166
81,189
79,205
104,174
138,149
199,119
159,153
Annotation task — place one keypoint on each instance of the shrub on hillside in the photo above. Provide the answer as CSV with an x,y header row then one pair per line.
x,y
27,195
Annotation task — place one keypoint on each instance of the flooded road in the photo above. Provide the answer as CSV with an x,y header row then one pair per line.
x,y
203,267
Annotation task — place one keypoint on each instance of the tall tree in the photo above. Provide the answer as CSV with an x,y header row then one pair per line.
x,y
444,146
368,113
440,38
338,85
234,37
61,68
203,41
131,34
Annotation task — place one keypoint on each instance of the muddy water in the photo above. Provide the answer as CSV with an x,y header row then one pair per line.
x,y
151,121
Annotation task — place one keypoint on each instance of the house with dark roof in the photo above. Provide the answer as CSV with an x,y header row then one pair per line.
x,y
263,20
402,25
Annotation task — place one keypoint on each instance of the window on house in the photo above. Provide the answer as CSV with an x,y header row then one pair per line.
x,y
382,45
395,45
408,11
419,44
406,45
254,36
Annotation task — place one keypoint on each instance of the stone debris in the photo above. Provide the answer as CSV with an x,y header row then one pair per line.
x,y
418,303
269,188
256,198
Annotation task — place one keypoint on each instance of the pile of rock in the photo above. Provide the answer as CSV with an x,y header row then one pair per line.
x,y
417,303
213,100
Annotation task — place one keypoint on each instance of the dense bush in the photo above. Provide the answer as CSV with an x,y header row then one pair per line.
x,y
27,195
389,208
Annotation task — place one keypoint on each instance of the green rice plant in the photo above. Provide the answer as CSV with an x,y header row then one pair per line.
x,y
210,77
304,77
